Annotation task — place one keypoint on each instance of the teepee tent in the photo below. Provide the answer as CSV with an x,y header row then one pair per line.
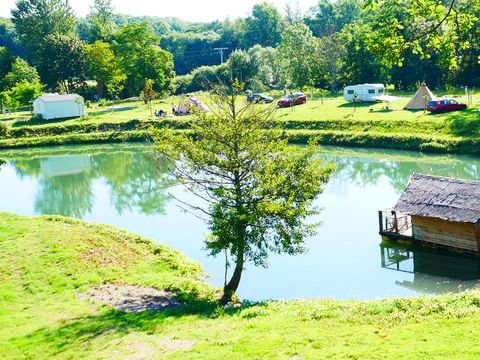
x,y
420,99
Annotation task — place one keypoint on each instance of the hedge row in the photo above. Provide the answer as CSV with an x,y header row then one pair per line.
x,y
424,143
430,127
79,128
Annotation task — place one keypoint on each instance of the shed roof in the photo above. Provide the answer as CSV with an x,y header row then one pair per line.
x,y
57,97
441,197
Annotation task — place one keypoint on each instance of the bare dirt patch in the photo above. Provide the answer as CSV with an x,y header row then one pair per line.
x,y
131,298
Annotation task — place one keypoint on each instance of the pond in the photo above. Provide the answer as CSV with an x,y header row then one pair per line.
x,y
120,185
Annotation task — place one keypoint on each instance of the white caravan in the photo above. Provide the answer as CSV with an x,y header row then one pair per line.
x,y
363,92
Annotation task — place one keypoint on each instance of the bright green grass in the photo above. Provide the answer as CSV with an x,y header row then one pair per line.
x,y
332,119
46,262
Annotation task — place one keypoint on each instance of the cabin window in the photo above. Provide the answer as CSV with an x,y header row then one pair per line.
x,y
350,92
371,91
380,91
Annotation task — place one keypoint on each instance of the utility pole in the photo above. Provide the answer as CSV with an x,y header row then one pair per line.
x,y
220,50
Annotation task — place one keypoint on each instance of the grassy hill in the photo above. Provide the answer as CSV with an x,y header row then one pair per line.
x,y
48,262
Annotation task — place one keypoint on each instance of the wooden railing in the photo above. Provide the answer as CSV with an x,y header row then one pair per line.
x,y
393,223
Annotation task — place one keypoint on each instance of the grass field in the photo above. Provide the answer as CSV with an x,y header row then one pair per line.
x,y
332,119
47,262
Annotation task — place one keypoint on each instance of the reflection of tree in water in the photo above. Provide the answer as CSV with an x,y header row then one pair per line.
x,y
69,195
135,178
27,167
365,170
2,162
135,181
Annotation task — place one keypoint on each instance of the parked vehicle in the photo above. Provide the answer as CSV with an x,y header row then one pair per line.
x,y
363,92
259,99
292,100
443,105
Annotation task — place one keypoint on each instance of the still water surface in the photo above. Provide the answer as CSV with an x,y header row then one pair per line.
x,y
118,185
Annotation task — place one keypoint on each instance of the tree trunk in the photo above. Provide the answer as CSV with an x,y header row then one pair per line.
x,y
232,286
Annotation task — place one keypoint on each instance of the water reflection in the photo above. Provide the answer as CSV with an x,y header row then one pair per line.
x,y
65,183
119,185
434,271
363,167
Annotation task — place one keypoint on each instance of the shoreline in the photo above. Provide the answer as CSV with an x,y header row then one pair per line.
x,y
412,142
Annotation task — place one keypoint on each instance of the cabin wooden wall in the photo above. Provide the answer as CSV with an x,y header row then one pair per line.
x,y
447,233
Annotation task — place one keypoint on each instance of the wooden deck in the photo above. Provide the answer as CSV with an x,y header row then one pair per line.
x,y
395,226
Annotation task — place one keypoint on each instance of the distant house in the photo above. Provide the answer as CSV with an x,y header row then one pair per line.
x,y
437,210
363,92
55,106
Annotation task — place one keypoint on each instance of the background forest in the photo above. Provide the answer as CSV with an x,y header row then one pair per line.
x,y
45,47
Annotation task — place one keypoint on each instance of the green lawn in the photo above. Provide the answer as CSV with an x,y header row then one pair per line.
x,y
46,262
332,119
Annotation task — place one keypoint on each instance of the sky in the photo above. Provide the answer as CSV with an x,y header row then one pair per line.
x,y
190,10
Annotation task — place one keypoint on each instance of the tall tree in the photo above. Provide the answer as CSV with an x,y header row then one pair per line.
x,y
361,64
103,67
264,26
65,68
141,58
101,21
257,191
35,20
296,53
330,54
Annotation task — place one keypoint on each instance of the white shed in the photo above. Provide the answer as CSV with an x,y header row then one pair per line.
x,y
363,92
55,106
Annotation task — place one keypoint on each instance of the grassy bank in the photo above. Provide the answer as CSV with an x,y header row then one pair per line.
x,y
46,262
333,121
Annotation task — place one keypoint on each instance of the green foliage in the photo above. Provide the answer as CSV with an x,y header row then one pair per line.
x,y
20,71
6,61
256,67
25,91
141,58
327,18
3,132
9,37
360,65
258,192
330,52
102,66
296,54
420,26
101,24
192,49
35,20
65,68
264,26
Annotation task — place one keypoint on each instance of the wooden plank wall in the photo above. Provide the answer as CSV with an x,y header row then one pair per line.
x,y
447,233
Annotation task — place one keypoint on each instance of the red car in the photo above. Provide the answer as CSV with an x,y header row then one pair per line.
x,y
445,105
292,99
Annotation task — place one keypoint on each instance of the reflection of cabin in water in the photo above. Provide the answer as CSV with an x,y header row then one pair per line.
x,y
433,271
61,166
436,210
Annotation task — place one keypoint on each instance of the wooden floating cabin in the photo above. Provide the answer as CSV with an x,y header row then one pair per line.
x,y
436,210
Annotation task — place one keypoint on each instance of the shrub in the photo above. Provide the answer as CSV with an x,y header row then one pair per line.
x,y
3,131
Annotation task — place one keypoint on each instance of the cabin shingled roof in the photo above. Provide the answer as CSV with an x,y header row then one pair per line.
x,y
440,197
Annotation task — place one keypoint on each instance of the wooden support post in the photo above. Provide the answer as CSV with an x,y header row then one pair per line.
x,y
395,222
380,221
